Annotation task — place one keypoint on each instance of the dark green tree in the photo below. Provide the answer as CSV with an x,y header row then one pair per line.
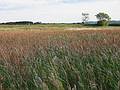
x,y
103,19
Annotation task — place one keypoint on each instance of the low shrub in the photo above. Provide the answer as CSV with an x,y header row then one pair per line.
x,y
103,23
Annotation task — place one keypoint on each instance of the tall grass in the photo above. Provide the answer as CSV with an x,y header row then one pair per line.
x,y
60,60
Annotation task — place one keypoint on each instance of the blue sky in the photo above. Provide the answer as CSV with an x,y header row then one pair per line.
x,y
56,10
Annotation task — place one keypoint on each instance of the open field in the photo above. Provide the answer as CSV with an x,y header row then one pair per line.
x,y
54,27
53,58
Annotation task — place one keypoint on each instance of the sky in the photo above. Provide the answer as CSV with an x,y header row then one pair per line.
x,y
56,11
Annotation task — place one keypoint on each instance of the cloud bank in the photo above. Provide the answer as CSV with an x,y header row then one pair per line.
x,y
56,10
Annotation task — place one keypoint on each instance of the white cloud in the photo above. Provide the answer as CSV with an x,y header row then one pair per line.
x,y
56,10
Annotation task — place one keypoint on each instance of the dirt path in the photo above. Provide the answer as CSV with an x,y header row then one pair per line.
x,y
106,28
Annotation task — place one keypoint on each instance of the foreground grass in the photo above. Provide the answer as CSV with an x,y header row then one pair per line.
x,y
60,60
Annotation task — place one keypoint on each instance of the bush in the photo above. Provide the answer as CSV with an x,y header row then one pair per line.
x,y
103,23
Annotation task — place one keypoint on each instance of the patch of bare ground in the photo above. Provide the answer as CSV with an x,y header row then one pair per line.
x,y
92,28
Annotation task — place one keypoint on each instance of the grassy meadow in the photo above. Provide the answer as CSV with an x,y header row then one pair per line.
x,y
41,57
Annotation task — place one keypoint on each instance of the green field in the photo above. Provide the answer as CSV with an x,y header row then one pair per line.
x,y
58,26
52,57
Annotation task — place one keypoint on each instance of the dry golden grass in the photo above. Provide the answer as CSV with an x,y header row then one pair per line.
x,y
15,45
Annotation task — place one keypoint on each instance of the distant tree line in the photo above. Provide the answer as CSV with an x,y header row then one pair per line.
x,y
21,23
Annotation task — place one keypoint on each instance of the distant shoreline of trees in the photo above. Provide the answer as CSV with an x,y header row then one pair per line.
x,y
89,23
21,23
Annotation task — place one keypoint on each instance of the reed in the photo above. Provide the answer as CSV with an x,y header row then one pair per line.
x,y
60,60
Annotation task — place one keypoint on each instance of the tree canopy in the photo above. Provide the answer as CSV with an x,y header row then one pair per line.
x,y
103,19
85,17
102,16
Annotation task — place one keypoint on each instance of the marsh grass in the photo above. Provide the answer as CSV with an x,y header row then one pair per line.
x,y
60,60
